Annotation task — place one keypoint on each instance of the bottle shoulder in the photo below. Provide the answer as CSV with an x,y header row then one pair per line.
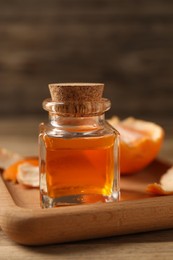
x,y
70,132
110,128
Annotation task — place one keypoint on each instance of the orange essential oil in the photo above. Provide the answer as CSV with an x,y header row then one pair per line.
x,y
79,150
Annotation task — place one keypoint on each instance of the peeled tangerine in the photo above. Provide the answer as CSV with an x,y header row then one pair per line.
x,y
165,187
22,170
28,175
140,142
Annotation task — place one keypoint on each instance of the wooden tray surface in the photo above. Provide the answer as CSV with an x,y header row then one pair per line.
x,y
22,219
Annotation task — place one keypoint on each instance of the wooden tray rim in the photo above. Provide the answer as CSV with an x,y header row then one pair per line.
x,y
125,217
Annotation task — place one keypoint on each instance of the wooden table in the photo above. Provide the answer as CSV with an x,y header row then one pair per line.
x,y
148,245
152,245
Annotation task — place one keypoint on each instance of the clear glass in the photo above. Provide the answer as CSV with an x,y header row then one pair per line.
x,y
79,159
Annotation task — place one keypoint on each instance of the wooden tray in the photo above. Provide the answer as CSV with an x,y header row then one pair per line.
x,y
22,219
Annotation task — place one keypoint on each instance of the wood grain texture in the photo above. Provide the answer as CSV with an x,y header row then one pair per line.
x,y
146,246
126,45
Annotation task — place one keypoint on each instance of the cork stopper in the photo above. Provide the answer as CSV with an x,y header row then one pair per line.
x,y
76,100
76,92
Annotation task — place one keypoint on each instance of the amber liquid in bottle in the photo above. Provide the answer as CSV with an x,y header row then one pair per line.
x,y
79,166
79,150
78,170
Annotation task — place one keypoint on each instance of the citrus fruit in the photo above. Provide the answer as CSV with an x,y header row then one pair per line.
x,y
165,187
11,172
28,175
140,142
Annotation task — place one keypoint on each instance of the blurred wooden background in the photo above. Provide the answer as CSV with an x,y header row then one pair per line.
x,y
128,45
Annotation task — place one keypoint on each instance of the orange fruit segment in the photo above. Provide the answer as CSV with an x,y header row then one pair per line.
x,y
140,142
10,173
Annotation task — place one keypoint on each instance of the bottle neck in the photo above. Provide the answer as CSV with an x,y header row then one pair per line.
x,y
90,122
77,109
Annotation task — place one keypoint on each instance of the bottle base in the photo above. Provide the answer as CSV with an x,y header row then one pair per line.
x,y
79,199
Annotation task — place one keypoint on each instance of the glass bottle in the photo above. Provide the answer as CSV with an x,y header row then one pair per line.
x,y
79,150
